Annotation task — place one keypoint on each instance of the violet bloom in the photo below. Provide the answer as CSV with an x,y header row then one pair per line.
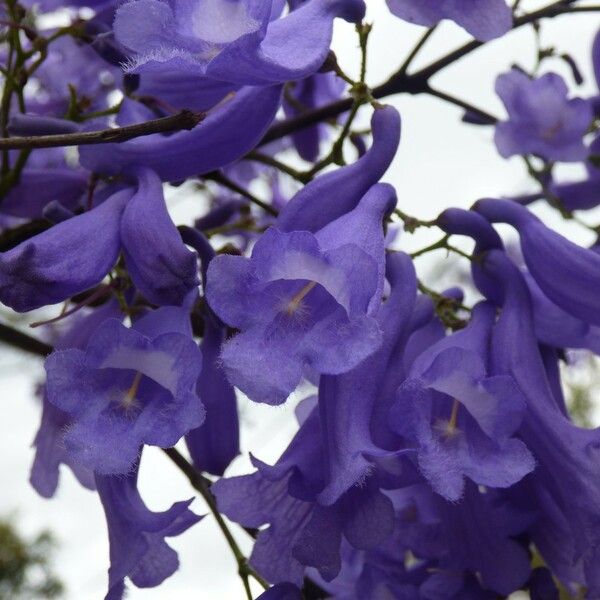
x,y
303,300
138,549
229,131
331,195
50,451
484,19
571,279
458,418
460,551
556,327
240,42
350,403
216,442
39,186
127,388
75,64
583,194
302,533
77,254
282,591
564,487
542,120
307,94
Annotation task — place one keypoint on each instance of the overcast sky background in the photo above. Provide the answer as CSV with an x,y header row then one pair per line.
x,y
441,163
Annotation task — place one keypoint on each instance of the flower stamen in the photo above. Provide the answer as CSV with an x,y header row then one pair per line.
x,y
129,400
295,303
451,427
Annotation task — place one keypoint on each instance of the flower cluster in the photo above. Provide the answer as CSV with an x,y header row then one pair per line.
x,y
436,458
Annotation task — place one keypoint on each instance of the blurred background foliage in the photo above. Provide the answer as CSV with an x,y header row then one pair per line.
x,y
26,565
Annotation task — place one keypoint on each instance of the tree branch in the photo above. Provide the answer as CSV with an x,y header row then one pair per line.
x,y
185,119
415,83
18,339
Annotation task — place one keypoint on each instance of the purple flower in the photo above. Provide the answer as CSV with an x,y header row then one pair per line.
x,y
331,195
216,443
571,279
64,260
564,488
39,186
303,300
129,387
585,193
50,451
316,90
542,120
239,42
351,403
485,19
556,327
458,418
282,591
301,532
230,131
542,585
76,254
460,551
70,63
138,549
159,264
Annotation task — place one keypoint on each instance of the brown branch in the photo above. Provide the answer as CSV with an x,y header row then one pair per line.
x,y
18,339
185,119
224,181
415,83
311,591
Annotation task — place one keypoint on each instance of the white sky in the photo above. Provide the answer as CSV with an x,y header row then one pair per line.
x,y
441,163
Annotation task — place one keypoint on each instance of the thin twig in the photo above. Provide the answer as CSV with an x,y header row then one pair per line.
x,y
18,339
186,119
482,114
221,179
415,83
415,51
202,484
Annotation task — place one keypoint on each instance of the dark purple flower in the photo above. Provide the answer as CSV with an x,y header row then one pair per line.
x,y
485,19
282,591
159,264
542,120
129,387
138,549
301,532
39,186
216,443
459,551
542,586
303,300
556,327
